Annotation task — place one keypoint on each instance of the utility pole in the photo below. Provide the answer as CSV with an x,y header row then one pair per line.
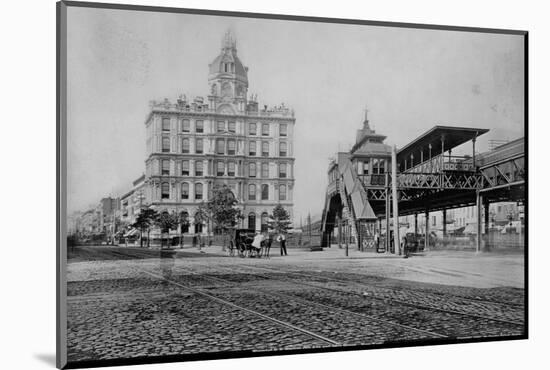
x,y
346,238
339,232
396,239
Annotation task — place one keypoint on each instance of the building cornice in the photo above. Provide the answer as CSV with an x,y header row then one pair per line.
x,y
213,115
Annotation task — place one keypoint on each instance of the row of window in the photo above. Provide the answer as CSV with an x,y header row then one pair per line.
x,y
263,219
220,169
223,126
221,147
165,191
378,166
251,220
264,191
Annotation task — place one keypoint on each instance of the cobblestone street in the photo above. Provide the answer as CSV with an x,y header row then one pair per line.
x,y
131,302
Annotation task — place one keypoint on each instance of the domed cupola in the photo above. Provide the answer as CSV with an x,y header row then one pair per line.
x,y
228,77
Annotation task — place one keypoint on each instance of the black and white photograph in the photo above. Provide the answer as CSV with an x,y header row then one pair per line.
x,y
241,185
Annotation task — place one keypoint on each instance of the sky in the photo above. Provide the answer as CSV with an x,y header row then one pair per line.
x,y
408,79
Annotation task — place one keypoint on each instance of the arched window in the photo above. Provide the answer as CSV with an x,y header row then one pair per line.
x,y
166,124
265,170
184,221
265,149
220,146
198,225
231,169
165,190
185,125
252,169
185,190
282,192
220,168
166,144
185,146
199,126
165,167
198,191
282,170
199,146
251,192
265,192
282,149
185,168
252,129
198,168
231,147
264,225
252,148
251,221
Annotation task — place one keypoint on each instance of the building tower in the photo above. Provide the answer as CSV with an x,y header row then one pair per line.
x,y
194,145
228,78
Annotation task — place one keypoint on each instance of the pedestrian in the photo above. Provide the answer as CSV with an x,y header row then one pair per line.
x,y
257,242
200,240
376,240
282,242
268,242
404,246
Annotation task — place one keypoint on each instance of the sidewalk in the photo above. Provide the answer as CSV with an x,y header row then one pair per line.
x,y
464,268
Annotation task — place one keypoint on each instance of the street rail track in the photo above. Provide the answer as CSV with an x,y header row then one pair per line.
x,y
253,270
296,273
373,296
284,324
332,308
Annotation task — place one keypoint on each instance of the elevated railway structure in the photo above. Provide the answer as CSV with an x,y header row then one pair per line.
x,y
428,178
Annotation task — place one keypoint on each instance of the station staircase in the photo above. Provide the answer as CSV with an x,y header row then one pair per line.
x,y
355,204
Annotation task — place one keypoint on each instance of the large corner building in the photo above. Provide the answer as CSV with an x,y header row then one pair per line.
x,y
225,138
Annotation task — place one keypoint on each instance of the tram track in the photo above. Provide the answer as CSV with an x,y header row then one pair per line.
x,y
200,292
345,281
428,292
253,271
371,295
332,308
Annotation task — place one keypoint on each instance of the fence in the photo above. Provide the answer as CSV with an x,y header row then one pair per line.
x,y
492,241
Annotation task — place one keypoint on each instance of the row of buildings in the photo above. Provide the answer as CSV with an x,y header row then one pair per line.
x,y
193,145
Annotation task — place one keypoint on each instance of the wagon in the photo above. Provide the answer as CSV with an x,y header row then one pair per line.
x,y
242,244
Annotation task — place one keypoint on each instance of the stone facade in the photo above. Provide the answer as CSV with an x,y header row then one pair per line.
x,y
193,145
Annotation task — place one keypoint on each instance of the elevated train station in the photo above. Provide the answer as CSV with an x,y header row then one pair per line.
x,y
428,178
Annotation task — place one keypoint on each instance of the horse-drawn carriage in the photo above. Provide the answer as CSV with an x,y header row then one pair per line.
x,y
241,244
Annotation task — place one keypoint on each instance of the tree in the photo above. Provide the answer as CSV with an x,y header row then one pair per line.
x,y
221,209
183,221
279,220
166,222
144,221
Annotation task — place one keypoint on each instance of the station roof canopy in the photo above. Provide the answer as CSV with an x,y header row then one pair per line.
x,y
453,137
